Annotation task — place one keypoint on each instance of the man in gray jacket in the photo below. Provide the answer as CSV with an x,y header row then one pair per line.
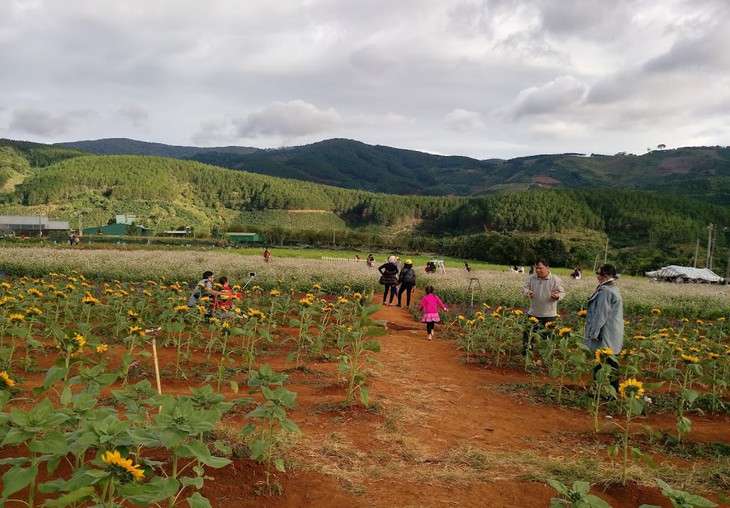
x,y
605,319
545,290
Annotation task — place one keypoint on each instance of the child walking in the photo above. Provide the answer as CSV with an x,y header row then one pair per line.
x,y
430,305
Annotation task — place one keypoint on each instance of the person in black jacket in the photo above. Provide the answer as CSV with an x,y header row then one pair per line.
x,y
407,279
389,279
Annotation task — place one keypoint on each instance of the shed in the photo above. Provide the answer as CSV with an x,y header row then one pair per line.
x,y
32,225
244,238
676,273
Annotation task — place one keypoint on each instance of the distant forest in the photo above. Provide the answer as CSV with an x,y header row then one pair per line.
x,y
570,226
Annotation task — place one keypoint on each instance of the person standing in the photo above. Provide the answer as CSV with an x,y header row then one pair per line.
x,y
430,305
605,320
267,255
545,290
370,260
389,279
407,279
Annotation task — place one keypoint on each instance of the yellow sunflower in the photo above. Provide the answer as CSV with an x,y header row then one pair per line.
x,y
5,380
602,353
690,358
122,468
16,318
631,389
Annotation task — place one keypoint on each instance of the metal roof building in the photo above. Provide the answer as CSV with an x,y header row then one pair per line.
x,y
32,224
677,273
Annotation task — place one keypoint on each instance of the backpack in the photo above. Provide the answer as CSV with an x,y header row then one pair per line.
x,y
409,276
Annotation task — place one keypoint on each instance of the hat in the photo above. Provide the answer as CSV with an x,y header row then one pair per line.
x,y
409,262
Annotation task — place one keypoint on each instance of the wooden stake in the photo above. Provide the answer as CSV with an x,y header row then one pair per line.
x,y
157,365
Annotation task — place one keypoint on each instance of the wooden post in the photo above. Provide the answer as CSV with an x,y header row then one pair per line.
x,y
153,333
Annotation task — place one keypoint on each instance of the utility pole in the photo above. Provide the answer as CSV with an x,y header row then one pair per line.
x,y
605,252
697,251
81,227
710,231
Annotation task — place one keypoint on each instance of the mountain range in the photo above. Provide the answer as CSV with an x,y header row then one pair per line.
x,y
696,172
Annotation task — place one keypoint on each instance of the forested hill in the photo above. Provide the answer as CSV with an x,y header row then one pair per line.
x,y
124,146
698,172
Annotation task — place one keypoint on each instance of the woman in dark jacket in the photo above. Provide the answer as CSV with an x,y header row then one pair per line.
x,y
389,279
407,279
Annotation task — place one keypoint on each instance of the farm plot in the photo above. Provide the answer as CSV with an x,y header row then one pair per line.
x,y
321,399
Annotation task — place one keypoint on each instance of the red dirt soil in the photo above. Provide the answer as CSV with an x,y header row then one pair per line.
x,y
439,433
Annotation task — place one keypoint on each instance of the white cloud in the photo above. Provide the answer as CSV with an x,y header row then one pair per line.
x,y
136,115
287,119
461,120
527,75
39,122
551,97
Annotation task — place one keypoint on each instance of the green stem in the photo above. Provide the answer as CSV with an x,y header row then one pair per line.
x,y
171,500
626,447
111,491
179,352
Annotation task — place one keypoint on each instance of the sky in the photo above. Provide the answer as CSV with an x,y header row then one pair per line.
x,y
478,78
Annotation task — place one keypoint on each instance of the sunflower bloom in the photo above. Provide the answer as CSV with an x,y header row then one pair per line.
x,y
89,299
631,389
602,353
16,318
5,380
690,358
124,469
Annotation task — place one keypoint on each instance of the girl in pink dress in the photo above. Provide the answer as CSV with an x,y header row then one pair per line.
x,y
430,305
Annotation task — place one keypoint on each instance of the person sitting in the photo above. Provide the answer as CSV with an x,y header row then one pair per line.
x,y
204,287
576,274
223,302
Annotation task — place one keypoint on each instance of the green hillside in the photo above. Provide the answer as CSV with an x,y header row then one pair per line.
x,y
355,165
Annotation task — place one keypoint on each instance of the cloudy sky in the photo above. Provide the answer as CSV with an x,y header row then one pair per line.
x,y
481,78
